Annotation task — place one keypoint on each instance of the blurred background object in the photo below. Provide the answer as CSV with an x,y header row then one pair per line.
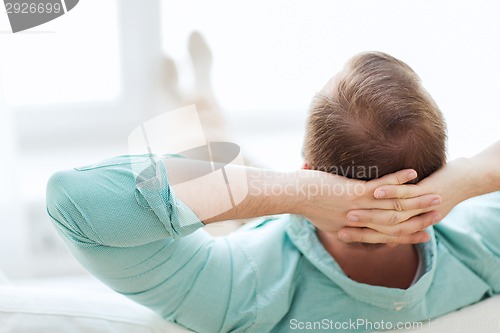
x,y
72,89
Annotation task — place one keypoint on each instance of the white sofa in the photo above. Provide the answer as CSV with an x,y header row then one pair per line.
x,y
84,305
74,305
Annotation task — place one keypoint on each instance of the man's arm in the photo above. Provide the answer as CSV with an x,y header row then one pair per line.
x,y
125,238
321,197
487,180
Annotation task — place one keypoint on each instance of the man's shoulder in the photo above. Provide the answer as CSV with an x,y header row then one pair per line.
x,y
471,232
477,215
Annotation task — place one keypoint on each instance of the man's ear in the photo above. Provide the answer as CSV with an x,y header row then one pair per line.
x,y
306,166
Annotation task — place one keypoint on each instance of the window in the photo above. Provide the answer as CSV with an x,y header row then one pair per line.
x,y
70,92
59,64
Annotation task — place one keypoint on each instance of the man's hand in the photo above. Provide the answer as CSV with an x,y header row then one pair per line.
x,y
333,203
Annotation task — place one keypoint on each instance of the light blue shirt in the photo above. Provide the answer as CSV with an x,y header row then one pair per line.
x,y
269,276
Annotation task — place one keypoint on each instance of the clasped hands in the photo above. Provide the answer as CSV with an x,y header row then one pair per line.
x,y
383,210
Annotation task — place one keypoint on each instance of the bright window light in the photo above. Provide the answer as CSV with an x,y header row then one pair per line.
x,y
72,59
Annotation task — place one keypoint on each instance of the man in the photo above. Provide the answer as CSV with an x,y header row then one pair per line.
x,y
372,119
292,272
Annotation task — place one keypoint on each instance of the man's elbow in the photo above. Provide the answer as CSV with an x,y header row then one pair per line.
x,y
62,206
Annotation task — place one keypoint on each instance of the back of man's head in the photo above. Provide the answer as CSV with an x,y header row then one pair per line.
x,y
374,118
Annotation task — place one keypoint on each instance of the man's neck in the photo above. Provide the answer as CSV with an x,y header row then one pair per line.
x,y
392,267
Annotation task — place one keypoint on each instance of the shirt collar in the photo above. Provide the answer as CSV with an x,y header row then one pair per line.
x,y
303,234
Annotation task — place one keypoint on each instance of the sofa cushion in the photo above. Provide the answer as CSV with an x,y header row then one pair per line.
x,y
51,310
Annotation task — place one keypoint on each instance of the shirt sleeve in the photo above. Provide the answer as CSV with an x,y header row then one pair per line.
x,y
122,221
472,232
109,199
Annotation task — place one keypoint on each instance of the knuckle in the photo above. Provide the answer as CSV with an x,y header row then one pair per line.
x,y
398,205
396,239
393,219
398,232
406,193
420,225
420,204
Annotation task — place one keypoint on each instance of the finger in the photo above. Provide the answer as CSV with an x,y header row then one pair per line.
x,y
421,202
412,225
414,207
396,178
366,235
382,217
397,191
